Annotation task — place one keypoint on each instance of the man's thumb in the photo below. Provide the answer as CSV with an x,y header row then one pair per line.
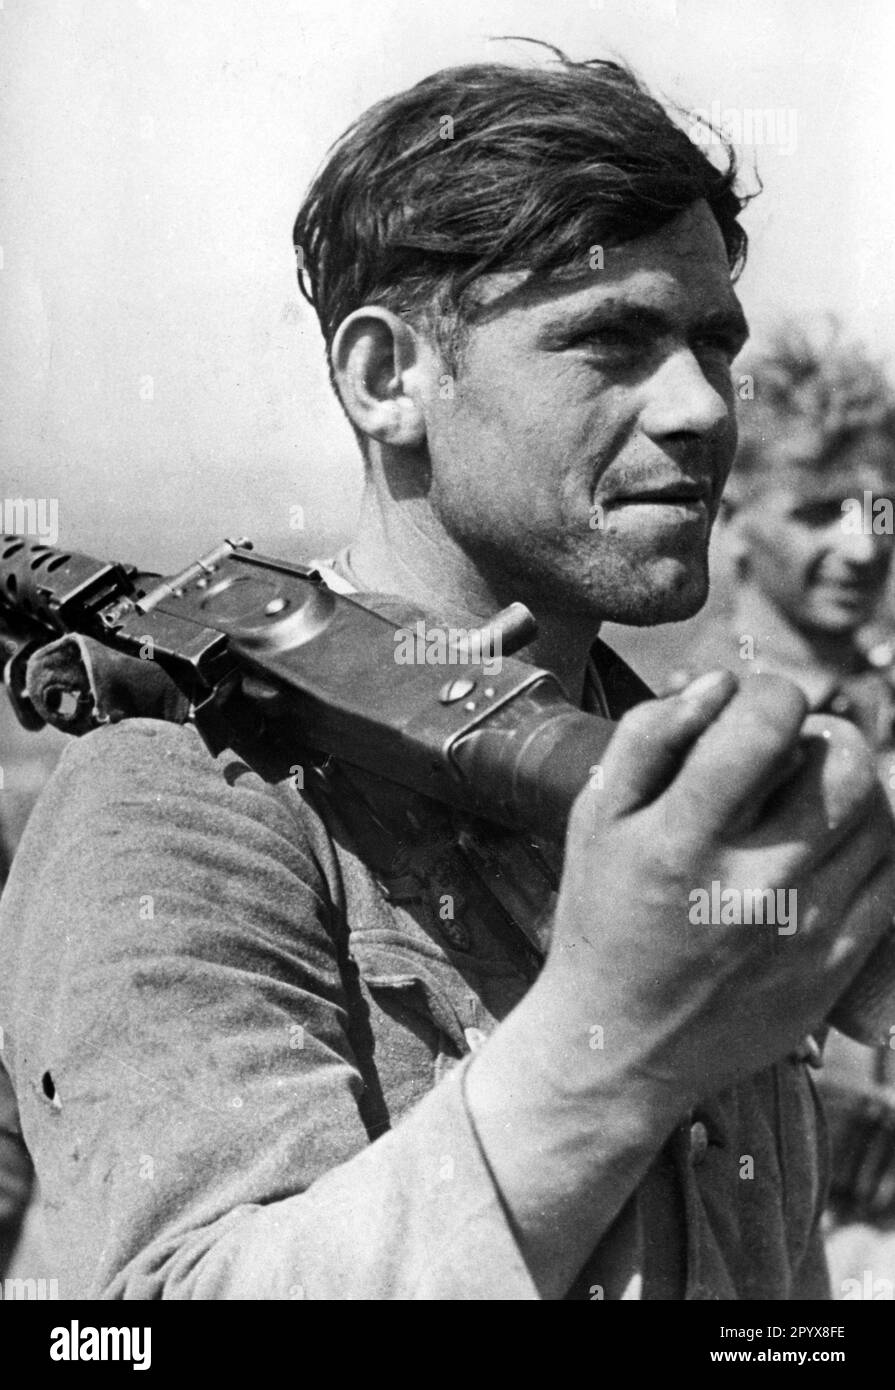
x,y
651,741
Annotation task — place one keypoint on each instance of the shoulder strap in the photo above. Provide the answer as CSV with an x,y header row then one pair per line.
x,y
622,687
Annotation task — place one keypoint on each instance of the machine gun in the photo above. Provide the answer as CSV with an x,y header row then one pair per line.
x,y
271,661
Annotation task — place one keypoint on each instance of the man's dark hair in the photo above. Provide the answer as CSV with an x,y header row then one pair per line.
x,y
495,168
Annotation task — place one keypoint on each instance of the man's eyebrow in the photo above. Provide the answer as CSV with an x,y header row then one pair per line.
x,y
730,322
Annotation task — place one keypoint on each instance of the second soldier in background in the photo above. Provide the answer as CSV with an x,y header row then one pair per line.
x,y
808,528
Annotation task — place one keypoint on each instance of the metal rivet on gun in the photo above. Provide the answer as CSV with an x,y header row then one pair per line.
x,y
456,690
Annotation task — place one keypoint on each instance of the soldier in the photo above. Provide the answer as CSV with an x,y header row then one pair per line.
x,y
810,553
807,518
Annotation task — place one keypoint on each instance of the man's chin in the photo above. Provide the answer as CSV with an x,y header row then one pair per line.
x,y
669,592
833,625
656,615
659,603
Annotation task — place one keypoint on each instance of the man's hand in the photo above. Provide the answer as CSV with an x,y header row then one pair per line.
x,y
691,813
643,1006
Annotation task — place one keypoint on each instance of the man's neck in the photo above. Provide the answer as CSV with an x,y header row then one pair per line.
x,y
815,658
405,551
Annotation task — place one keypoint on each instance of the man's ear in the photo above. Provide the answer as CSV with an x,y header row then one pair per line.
x,y
378,363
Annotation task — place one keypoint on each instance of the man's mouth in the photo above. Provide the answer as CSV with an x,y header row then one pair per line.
x,y
691,497
853,589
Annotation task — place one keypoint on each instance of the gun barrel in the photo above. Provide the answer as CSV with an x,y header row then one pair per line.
x,y
58,589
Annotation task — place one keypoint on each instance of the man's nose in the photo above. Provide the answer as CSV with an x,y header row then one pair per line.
x,y
861,549
683,400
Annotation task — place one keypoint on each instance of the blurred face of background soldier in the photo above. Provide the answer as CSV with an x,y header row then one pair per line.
x,y
820,574
818,434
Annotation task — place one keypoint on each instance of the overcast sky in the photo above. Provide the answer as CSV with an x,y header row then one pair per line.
x,y
154,154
